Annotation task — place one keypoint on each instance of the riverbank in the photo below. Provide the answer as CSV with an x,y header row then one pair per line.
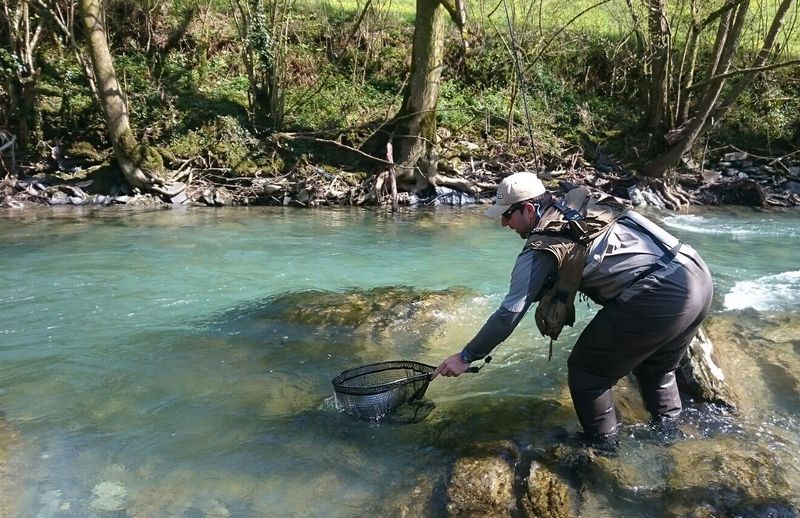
x,y
468,174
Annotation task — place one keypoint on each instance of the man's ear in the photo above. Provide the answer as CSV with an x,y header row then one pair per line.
x,y
529,207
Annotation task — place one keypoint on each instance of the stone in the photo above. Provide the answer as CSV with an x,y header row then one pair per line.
x,y
723,472
700,376
108,496
651,199
59,198
179,198
711,176
452,197
636,196
208,197
735,156
628,402
749,340
546,495
12,479
387,318
481,487
412,504
792,187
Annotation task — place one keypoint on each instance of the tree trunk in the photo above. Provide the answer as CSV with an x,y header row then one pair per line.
x,y
23,27
761,59
659,32
728,35
686,74
141,164
415,124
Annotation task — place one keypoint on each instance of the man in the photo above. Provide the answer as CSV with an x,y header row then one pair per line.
x,y
654,290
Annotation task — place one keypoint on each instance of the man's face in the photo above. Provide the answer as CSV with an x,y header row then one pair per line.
x,y
522,220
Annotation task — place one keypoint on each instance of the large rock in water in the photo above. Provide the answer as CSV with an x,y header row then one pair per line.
x,y
362,315
759,353
700,376
483,485
486,485
374,308
731,476
546,495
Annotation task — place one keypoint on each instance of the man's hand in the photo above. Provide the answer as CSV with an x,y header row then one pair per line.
x,y
452,366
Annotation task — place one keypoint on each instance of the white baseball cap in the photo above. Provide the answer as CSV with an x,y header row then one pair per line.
x,y
514,189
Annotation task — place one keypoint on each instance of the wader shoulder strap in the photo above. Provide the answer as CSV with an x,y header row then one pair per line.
x,y
661,262
569,213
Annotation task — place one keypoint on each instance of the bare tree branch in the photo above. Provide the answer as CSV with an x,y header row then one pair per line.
x,y
742,71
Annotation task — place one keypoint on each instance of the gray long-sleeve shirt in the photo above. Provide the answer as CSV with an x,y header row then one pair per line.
x,y
612,264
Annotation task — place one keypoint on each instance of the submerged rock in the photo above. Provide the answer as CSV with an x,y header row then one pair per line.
x,y
725,474
412,504
485,484
546,495
356,308
108,496
481,486
373,313
10,469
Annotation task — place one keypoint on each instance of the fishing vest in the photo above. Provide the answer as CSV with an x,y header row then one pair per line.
x,y
565,230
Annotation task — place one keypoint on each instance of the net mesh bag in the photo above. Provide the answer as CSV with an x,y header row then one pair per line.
x,y
372,391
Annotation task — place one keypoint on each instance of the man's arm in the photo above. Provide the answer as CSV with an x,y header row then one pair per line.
x,y
533,271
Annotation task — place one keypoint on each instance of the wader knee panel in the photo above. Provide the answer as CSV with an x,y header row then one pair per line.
x,y
593,402
660,395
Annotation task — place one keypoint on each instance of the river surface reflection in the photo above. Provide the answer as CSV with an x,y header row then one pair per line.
x,y
138,376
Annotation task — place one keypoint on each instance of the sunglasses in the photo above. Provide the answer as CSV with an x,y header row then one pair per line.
x,y
511,210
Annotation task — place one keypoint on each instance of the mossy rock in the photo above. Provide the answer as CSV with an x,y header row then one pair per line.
x,y
724,473
104,178
481,486
546,495
400,318
85,150
376,307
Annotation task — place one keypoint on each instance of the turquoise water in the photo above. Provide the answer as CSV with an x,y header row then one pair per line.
x,y
133,381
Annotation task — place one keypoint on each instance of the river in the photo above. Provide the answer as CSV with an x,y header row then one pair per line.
x,y
135,380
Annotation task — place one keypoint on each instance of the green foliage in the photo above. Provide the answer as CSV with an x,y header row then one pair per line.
x,y
766,115
489,65
338,102
221,142
581,89
10,66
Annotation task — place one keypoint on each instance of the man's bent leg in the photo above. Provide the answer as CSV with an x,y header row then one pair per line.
x,y
660,395
594,403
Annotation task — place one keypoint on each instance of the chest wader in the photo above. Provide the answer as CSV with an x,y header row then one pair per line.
x,y
565,230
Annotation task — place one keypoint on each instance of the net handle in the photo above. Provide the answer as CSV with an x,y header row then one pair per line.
x,y
475,370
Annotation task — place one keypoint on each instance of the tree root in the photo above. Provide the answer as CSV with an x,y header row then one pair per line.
x,y
462,184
